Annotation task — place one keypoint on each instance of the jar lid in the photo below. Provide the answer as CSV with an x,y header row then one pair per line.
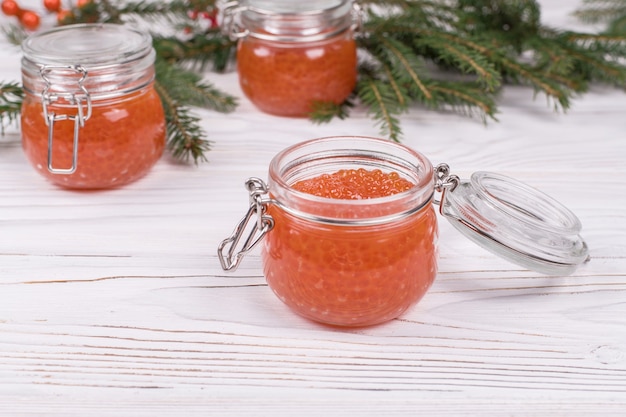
x,y
288,21
88,44
105,59
516,222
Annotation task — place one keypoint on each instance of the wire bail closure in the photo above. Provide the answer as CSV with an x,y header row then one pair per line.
x,y
79,119
231,27
444,181
228,252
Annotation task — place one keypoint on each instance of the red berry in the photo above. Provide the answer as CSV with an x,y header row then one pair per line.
x,y
29,19
52,5
82,3
10,8
64,14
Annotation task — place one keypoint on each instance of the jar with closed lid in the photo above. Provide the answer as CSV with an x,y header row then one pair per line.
x,y
91,117
348,230
291,54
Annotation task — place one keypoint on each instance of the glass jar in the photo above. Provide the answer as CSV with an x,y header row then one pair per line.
x,y
293,54
91,117
361,262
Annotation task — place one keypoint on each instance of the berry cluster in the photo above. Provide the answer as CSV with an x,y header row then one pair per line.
x,y
30,19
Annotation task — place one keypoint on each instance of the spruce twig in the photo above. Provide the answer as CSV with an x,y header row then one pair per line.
x,y
11,97
189,89
609,12
185,138
179,89
325,111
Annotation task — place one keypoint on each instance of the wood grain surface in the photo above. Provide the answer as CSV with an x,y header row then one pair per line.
x,y
113,303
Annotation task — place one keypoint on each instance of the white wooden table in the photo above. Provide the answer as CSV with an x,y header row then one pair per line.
x,y
113,303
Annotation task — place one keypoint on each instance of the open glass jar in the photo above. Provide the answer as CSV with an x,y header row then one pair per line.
x,y
362,262
91,117
293,54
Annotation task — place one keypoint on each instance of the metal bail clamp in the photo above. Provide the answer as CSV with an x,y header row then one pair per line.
x,y
48,98
230,25
444,182
227,251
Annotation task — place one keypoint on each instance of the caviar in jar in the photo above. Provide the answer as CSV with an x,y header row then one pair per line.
x,y
353,231
294,54
91,117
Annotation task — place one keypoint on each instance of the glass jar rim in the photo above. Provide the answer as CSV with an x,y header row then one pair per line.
x,y
288,21
329,154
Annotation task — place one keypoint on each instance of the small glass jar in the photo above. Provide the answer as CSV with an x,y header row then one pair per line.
x,y
349,262
293,54
91,118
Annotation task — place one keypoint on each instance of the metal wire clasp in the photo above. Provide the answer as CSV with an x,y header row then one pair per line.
x,y
227,251
230,25
47,98
444,182
357,17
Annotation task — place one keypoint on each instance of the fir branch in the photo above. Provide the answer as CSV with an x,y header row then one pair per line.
x,y
618,25
178,89
404,63
601,11
510,21
153,10
421,13
15,34
11,97
519,72
188,89
466,99
185,138
199,51
465,59
587,60
398,90
325,111
382,106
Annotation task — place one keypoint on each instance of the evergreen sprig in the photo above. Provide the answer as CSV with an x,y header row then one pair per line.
x,y
609,12
457,54
185,138
11,96
198,52
179,89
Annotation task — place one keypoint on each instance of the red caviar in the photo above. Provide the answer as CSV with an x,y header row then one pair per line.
x,y
286,79
351,275
119,143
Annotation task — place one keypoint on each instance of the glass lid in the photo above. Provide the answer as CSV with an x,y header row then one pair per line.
x,y
88,44
516,222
